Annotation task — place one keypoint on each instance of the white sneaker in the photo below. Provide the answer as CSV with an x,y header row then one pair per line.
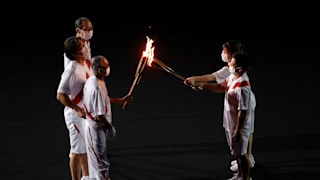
x,y
234,167
235,177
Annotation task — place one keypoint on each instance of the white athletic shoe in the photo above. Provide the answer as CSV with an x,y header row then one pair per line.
x,y
234,165
235,177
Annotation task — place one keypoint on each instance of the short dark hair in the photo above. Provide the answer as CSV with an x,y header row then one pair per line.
x,y
233,46
96,62
72,45
242,60
78,22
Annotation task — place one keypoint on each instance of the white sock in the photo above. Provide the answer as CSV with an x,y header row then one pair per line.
x,y
85,178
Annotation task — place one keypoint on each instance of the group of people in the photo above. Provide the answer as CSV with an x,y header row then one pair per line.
x,y
84,93
239,104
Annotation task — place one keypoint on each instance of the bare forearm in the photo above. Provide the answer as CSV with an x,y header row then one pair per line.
x,y
121,100
202,78
214,87
116,100
66,101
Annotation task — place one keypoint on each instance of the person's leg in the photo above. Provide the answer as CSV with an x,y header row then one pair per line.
x,y
84,165
244,167
89,129
78,157
250,143
250,155
232,151
234,164
75,167
96,140
82,149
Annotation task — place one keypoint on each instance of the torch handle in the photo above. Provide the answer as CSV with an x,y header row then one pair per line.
x,y
139,71
174,73
168,69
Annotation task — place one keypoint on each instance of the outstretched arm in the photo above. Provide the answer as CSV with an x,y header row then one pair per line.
x,y
126,98
203,78
214,87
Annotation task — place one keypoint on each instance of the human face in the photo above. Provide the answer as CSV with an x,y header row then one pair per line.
x,y
233,67
82,50
226,55
86,32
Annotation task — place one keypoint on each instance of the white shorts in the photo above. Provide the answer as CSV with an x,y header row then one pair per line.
x,y
237,148
75,127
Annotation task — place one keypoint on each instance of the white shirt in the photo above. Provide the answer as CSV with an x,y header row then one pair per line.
x,y
72,81
96,98
238,96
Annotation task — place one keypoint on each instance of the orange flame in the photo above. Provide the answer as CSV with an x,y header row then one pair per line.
x,y
149,51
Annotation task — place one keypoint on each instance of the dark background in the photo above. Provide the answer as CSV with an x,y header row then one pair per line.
x,y
169,131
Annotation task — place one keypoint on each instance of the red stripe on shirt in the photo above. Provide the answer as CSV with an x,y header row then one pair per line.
x,y
239,84
88,62
78,97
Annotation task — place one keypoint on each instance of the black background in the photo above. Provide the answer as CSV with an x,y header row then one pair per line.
x,y
169,131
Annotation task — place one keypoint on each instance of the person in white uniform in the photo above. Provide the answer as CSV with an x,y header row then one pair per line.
x,y
239,109
99,129
84,30
219,76
69,93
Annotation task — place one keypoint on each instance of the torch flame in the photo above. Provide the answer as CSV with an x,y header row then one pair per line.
x,y
149,51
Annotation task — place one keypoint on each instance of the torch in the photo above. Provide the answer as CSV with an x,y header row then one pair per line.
x,y
146,55
169,70
147,58
166,68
